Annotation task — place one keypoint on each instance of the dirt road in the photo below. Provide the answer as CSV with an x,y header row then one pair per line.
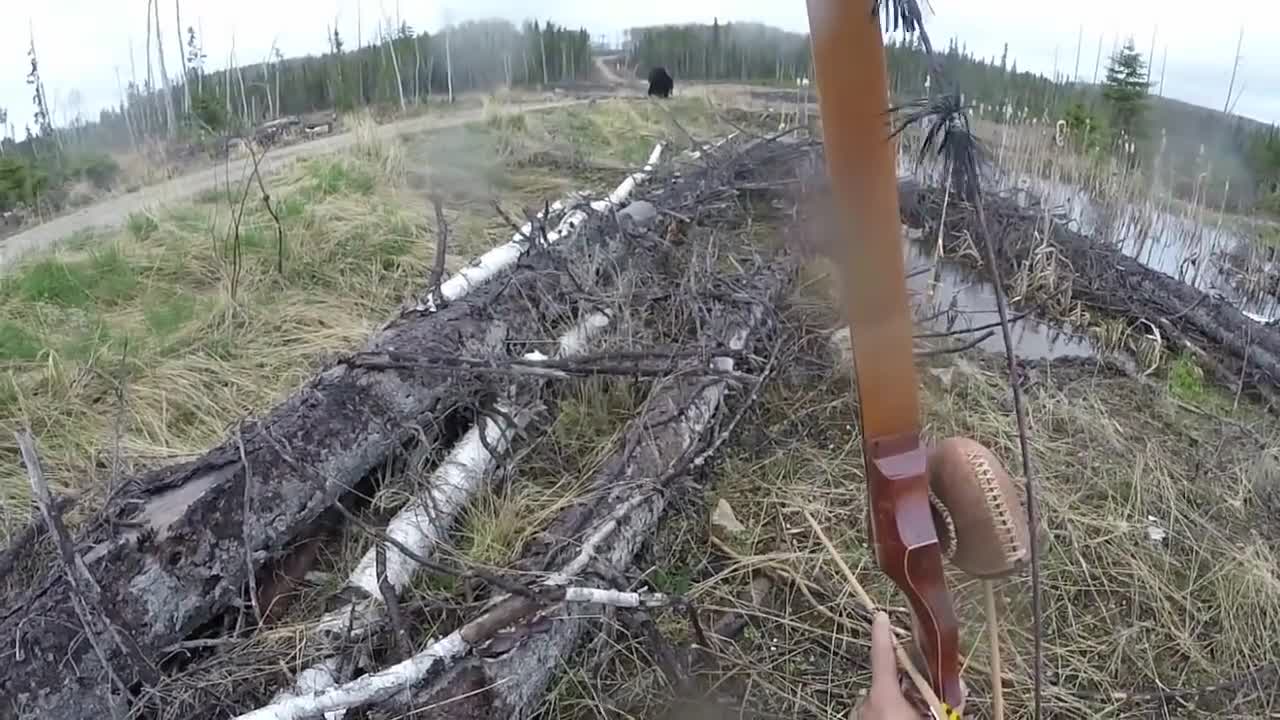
x,y
115,210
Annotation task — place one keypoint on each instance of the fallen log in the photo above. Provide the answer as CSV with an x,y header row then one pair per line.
x,y
597,540
627,498
178,549
421,525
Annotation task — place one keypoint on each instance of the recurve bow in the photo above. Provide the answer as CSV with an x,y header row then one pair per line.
x,y
848,53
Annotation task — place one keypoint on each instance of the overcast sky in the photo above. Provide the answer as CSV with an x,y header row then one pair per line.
x,y
81,43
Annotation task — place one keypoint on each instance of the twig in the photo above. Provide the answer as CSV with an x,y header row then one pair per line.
x,y
966,331
266,202
388,592
87,592
626,364
993,638
1024,447
958,348
442,245
922,685
245,514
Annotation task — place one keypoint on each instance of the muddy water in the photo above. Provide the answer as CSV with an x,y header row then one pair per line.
x,y
952,297
1173,243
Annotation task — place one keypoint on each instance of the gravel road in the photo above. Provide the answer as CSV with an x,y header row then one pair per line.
x,y
115,210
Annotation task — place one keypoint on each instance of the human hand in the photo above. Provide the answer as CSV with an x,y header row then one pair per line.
x,y
885,700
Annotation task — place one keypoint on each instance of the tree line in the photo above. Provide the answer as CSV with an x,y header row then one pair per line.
x,y
1239,156
397,67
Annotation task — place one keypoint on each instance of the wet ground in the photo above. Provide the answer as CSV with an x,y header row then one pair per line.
x,y
951,297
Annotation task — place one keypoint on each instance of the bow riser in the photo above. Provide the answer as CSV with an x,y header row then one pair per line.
x,y
908,550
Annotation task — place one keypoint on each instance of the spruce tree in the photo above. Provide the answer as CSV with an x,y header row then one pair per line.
x,y
1125,90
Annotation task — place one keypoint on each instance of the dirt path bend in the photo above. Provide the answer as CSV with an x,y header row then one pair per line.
x,y
114,211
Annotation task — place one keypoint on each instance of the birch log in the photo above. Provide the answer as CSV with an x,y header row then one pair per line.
x,y
172,556
505,256
629,496
423,524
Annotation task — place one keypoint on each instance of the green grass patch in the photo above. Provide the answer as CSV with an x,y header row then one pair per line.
x,y
141,226
1186,381
18,343
337,176
165,315
105,277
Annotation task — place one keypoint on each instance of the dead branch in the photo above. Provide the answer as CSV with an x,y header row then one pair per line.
x,y
442,245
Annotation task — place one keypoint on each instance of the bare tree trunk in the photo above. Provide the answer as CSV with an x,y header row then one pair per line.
x,y
542,41
124,108
431,69
200,76
151,83
390,45
170,116
448,61
244,97
417,66
186,76
360,47
1231,86
227,77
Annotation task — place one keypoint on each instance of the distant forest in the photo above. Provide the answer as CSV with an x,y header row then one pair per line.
x,y
399,67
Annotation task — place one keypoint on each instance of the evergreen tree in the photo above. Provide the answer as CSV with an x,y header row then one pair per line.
x,y
1125,90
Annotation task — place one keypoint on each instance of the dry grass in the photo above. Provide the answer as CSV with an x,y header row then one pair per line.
x,y
1126,615
149,309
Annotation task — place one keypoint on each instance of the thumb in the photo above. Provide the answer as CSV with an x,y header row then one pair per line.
x,y
884,665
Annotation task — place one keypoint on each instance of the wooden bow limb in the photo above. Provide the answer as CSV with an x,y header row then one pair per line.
x,y
848,51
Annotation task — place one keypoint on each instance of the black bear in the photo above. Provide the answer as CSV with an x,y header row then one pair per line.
x,y
660,83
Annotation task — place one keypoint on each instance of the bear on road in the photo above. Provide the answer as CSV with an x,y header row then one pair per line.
x,y
660,83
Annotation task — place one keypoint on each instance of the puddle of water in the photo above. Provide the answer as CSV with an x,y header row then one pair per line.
x,y
954,297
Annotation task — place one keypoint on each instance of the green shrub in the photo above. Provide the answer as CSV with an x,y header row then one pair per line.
x,y
99,169
1186,380
141,226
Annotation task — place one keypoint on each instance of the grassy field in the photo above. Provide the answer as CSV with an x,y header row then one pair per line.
x,y
142,345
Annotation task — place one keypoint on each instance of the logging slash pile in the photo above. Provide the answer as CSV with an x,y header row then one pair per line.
x,y
570,480
190,562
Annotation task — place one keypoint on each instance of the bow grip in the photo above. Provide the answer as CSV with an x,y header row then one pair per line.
x,y
908,550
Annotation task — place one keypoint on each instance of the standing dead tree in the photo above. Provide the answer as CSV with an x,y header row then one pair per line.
x,y
170,115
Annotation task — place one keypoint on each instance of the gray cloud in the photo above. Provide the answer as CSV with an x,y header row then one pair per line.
x,y
83,42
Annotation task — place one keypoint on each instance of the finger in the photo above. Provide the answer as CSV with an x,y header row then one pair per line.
x,y
884,666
